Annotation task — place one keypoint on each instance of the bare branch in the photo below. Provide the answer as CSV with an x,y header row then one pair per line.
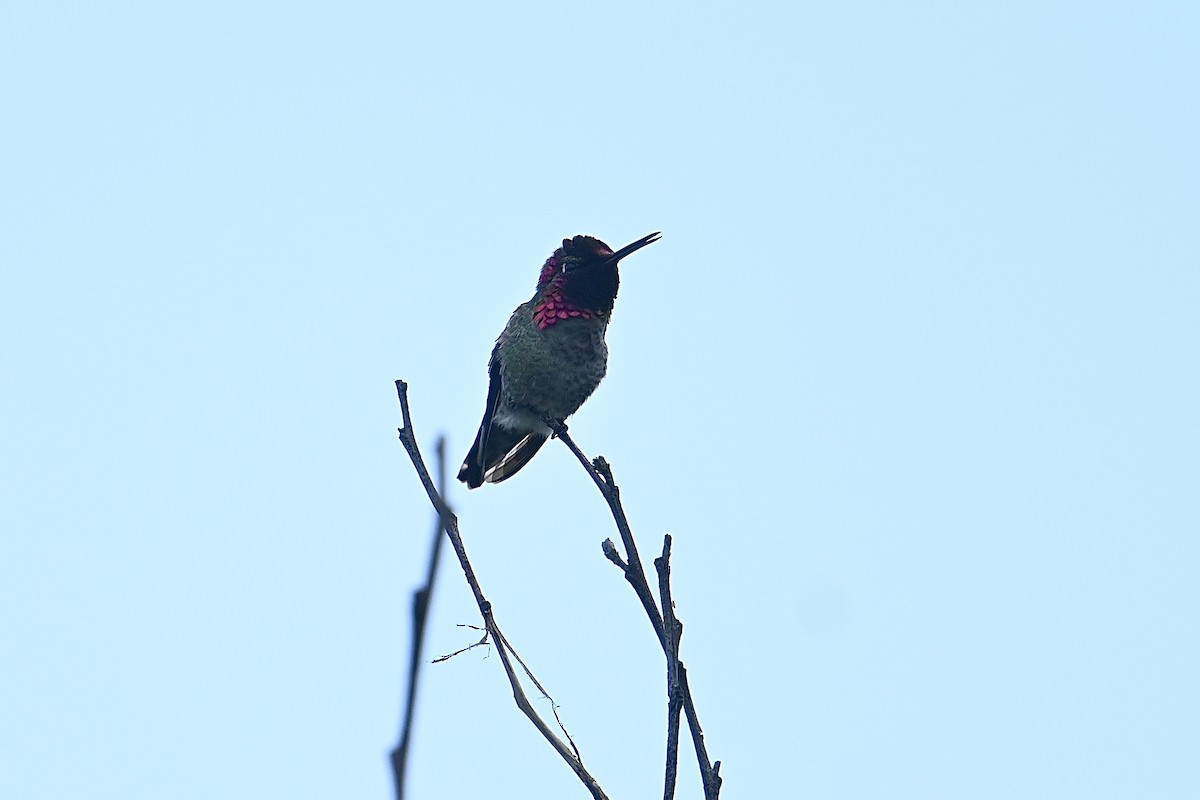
x,y
709,773
450,523
421,601
546,695
672,632
601,474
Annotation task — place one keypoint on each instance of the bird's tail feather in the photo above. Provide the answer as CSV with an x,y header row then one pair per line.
x,y
511,461
499,455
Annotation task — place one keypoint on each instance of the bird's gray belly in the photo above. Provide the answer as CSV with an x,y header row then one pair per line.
x,y
556,370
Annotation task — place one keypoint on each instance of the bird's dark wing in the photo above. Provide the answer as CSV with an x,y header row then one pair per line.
x,y
475,463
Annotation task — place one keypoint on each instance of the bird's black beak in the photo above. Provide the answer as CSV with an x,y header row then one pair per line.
x,y
650,238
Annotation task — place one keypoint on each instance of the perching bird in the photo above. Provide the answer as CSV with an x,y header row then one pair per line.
x,y
549,358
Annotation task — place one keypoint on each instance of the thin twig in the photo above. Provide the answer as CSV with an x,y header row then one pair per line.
x,y
546,695
601,474
421,601
482,641
450,522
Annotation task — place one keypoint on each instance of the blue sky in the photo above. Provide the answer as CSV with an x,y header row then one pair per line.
x,y
911,378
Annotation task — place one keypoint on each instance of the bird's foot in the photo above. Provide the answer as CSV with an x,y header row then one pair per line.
x,y
557,427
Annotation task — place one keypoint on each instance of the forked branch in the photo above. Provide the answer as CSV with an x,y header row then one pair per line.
x,y
450,524
666,626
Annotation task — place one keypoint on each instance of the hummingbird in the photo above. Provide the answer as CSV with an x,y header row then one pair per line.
x,y
549,358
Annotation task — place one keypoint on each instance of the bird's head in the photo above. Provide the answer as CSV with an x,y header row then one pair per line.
x,y
580,278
